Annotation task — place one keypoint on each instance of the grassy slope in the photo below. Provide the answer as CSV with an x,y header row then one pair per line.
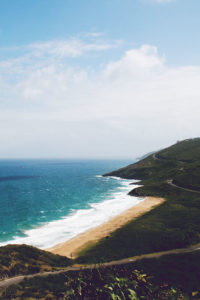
x,y
180,161
187,151
175,224
181,272
23,259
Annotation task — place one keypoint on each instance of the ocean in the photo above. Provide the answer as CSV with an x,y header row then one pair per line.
x,y
46,202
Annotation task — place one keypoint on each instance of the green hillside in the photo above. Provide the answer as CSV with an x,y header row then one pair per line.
x,y
23,259
174,277
186,151
180,163
175,223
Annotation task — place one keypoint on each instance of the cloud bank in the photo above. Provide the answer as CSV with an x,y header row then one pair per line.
x,y
127,107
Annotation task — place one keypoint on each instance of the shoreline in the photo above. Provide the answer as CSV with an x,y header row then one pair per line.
x,y
46,235
76,244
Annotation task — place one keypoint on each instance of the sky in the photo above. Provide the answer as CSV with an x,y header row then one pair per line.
x,y
97,79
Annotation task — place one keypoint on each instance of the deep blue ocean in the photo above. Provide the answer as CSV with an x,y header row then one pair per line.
x,y
44,202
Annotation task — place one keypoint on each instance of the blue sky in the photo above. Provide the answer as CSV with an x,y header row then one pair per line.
x,y
80,78
173,26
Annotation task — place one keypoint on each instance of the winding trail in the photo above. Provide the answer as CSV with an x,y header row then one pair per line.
x,y
155,157
170,181
15,280
165,159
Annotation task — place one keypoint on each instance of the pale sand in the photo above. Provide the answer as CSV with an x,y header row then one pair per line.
x,y
74,246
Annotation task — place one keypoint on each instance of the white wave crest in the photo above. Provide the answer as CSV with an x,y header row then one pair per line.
x,y
79,221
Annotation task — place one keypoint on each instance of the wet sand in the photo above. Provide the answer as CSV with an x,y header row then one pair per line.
x,y
74,246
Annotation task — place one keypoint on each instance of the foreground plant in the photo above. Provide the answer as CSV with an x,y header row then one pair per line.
x,y
100,285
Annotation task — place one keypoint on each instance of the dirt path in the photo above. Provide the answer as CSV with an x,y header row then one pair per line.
x,y
170,182
155,157
15,280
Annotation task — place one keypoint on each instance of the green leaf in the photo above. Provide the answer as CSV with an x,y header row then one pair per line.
x,y
133,295
108,287
115,297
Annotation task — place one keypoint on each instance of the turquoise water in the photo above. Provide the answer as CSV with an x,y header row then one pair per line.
x,y
43,201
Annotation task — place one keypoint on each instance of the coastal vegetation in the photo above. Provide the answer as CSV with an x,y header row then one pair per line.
x,y
24,259
175,223
102,283
168,277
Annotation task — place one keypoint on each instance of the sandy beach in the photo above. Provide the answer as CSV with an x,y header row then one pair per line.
x,y
73,246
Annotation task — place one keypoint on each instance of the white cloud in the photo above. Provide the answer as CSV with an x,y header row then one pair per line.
x,y
136,62
132,105
70,48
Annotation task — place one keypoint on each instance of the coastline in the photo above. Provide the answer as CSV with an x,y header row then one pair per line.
x,y
73,246
77,221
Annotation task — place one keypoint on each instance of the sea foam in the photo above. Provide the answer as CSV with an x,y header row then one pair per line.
x,y
78,221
